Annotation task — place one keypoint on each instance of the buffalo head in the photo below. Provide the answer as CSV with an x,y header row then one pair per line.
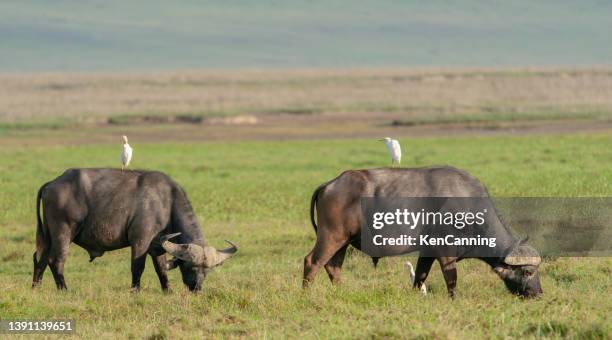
x,y
194,260
519,270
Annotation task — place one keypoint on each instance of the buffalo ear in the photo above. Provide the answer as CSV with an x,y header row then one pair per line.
x,y
172,264
529,271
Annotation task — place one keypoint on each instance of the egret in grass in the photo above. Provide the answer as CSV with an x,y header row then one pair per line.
x,y
126,154
413,277
395,151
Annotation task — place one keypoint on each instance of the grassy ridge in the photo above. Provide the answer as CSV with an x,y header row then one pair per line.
x,y
257,194
412,95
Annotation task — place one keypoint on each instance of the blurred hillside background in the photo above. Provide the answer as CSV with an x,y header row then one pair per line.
x,y
169,35
193,70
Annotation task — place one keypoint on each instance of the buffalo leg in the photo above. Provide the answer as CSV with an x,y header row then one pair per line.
x,y
140,249
138,266
422,270
449,270
57,268
159,262
39,269
334,265
320,255
59,253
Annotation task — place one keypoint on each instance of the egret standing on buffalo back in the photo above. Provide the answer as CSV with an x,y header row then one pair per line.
x,y
126,153
395,151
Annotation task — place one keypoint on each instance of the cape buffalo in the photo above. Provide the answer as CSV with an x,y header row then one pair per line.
x,y
338,208
108,209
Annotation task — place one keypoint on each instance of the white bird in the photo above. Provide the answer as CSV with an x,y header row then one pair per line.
x,y
413,276
126,154
395,151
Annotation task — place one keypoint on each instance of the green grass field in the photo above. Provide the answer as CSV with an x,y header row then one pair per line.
x,y
257,194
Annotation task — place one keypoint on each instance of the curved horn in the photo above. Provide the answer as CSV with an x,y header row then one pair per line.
x,y
169,236
214,257
187,252
523,255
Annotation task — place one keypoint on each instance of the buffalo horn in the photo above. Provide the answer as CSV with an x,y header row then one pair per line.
x,y
197,255
523,255
214,257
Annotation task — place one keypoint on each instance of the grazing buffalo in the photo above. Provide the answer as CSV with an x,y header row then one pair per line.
x,y
339,214
108,209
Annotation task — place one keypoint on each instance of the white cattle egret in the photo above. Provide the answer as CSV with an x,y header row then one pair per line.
x,y
413,277
126,153
395,151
